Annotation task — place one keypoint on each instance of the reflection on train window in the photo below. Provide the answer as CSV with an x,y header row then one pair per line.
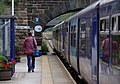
x,y
115,48
73,36
83,37
115,23
104,24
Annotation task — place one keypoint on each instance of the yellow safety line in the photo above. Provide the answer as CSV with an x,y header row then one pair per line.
x,y
46,72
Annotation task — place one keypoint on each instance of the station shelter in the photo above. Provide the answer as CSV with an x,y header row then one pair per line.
x,y
7,37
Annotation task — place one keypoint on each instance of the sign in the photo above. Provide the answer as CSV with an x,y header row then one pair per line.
x,y
37,20
38,28
22,27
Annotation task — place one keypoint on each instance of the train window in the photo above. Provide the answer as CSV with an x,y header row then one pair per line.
x,y
59,35
115,50
56,34
73,36
83,37
105,48
66,35
104,24
83,27
119,23
114,23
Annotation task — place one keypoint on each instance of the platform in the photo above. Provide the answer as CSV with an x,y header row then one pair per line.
x,y
49,70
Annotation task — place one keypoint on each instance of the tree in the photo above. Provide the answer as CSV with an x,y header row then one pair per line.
x,y
2,7
4,4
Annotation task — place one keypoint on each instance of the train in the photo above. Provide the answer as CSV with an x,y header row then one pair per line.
x,y
79,38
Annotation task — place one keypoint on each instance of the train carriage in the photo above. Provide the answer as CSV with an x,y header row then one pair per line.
x,y
83,36
57,35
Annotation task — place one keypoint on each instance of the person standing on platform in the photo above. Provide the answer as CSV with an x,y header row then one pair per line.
x,y
28,48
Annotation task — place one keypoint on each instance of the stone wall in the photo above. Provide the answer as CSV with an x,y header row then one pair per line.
x,y
20,36
21,13
46,10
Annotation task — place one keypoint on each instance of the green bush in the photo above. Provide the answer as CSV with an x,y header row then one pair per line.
x,y
44,47
17,47
3,59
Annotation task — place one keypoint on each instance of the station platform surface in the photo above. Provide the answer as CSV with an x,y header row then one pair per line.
x,y
48,70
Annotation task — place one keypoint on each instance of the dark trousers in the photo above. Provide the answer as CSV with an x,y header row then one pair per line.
x,y
30,62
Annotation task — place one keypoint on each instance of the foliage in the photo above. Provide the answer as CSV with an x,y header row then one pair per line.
x,y
2,7
17,47
44,47
18,51
9,2
4,4
6,63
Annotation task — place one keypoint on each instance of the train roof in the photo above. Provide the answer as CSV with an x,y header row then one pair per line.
x,y
58,25
90,7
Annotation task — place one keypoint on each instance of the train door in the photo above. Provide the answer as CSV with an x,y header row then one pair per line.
x,y
104,41
66,49
95,47
59,39
69,41
109,49
109,59
78,46
84,48
64,40
63,32
73,43
56,38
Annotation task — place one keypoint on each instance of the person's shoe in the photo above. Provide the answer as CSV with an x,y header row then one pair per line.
x,y
29,70
32,70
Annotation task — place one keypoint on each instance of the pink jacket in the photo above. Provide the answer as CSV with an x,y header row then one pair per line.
x,y
28,44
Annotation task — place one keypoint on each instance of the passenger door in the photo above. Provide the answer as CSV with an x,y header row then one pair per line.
x,y
95,47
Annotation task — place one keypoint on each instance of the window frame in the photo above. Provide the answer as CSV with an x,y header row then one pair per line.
x,y
117,20
106,25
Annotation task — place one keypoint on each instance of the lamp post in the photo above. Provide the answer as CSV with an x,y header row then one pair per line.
x,y
12,7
